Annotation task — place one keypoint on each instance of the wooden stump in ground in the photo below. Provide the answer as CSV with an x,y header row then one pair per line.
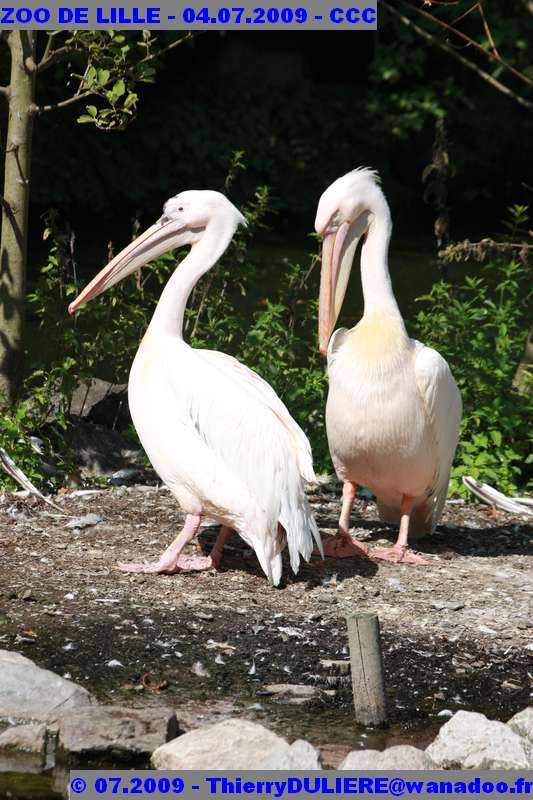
x,y
367,668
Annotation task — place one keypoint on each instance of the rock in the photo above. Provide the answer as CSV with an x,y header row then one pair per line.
x,y
29,692
102,402
101,451
232,744
299,755
87,521
25,738
471,741
399,757
200,670
295,693
522,723
124,477
123,734
28,748
448,605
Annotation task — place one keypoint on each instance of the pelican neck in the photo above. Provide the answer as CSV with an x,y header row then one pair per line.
x,y
375,276
170,311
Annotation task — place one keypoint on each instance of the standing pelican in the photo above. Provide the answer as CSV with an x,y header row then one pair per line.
x,y
216,433
393,409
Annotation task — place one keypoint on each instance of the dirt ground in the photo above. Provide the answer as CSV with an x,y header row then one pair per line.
x,y
457,633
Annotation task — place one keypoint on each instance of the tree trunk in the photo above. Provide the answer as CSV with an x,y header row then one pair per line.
x,y
13,248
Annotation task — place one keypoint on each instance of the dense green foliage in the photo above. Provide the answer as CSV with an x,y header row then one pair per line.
x,y
302,127
477,325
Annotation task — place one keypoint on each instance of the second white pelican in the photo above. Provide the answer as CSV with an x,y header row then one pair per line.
x,y
216,433
393,410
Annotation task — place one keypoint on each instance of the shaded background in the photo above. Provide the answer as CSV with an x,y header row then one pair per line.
x,y
305,107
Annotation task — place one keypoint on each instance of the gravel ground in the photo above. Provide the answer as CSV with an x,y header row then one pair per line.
x,y
457,633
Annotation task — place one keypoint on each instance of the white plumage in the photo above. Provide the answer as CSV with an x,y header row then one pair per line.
x,y
393,411
216,433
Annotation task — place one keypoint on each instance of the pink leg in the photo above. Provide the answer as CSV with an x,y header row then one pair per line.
x,y
342,545
401,552
168,562
212,561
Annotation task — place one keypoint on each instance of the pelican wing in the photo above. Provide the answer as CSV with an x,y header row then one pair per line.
x,y
335,343
250,440
443,405
264,392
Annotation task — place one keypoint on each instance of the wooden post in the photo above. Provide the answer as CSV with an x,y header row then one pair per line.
x,y
367,668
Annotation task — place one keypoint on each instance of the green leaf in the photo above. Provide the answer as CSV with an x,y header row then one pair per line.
x,y
103,76
119,88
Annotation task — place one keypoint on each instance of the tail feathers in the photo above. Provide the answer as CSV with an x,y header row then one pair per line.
x,y
289,521
298,530
302,532
268,551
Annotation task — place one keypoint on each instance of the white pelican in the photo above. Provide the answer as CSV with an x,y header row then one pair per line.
x,y
216,433
393,409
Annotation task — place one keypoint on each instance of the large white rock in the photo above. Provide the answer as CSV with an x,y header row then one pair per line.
x,y
299,755
29,692
233,744
400,757
471,741
522,723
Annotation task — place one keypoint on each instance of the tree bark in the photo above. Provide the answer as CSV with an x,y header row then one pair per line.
x,y
14,240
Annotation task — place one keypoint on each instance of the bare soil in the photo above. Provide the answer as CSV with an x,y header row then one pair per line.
x,y
457,633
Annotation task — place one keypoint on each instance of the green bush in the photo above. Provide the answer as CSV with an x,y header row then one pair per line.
x,y
480,327
101,340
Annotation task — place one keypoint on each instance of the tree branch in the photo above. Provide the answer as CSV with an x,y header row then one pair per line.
x,y
480,251
470,42
488,31
30,65
451,52
63,103
464,14
51,57
188,36
48,48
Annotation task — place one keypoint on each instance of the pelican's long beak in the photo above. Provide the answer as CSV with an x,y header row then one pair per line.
x,y
158,239
338,251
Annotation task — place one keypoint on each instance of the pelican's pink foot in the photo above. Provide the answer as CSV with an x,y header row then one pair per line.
x,y
342,546
197,563
162,566
398,554
168,562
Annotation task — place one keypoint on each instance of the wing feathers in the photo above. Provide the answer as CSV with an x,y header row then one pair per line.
x,y
443,405
251,435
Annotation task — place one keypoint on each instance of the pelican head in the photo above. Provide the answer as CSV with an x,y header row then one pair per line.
x,y
185,219
345,212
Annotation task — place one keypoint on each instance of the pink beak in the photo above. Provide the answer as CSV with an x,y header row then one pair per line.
x,y
329,276
158,239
